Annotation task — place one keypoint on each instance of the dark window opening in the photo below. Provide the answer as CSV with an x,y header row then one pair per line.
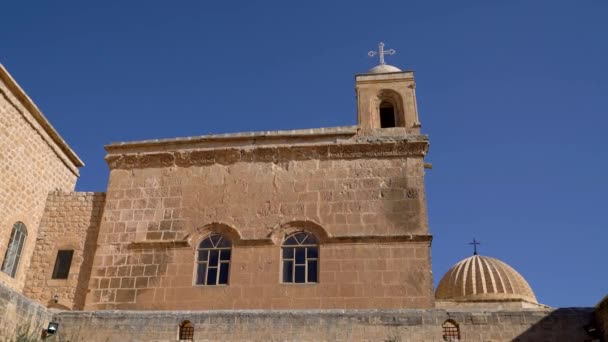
x,y
387,115
62,264
186,331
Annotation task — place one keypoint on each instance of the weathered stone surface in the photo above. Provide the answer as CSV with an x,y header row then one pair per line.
x,y
70,222
19,312
369,214
325,325
33,161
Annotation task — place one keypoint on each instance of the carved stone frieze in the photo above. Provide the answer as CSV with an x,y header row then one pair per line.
x,y
273,154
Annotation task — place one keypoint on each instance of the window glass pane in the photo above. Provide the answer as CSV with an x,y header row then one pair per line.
x,y
287,271
287,253
206,244
301,237
300,255
291,241
213,257
225,255
311,240
214,239
300,276
313,252
224,243
13,250
62,264
224,269
203,255
312,271
212,276
200,274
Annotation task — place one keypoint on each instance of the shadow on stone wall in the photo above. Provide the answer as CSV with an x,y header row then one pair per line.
x,y
601,318
565,324
90,246
18,312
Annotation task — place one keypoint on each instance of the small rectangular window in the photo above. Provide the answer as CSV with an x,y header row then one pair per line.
x,y
62,264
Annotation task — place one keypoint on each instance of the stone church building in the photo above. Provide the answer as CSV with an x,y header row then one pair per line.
x,y
303,235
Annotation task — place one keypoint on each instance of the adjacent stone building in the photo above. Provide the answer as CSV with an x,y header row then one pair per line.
x,y
34,160
303,235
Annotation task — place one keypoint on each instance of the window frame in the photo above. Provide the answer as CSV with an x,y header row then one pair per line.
x,y
220,261
300,244
16,252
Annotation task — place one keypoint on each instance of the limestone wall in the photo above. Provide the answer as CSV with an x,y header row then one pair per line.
x,y
369,214
19,312
70,222
32,164
333,325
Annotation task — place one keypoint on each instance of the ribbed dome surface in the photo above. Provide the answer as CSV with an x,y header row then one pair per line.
x,y
483,278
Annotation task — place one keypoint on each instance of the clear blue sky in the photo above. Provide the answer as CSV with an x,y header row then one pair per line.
x,y
512,93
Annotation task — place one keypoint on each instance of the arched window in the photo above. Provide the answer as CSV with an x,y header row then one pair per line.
x,y
300,258
186,331
13,252
387,115
213,262
451,332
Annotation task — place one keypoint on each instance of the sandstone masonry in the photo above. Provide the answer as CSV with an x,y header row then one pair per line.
x,y
34,160
70,222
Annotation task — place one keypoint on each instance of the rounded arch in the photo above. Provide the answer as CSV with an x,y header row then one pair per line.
x,y
291,227
451,330
20,226
7,225
390,99
215,227
186,331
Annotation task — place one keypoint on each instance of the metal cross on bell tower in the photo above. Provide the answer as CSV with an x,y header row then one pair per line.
x,y
381,52
474,243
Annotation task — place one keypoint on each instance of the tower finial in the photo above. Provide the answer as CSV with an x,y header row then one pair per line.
x,y
474,243
381,52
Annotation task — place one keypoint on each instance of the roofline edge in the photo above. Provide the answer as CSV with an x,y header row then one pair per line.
x,y
27,102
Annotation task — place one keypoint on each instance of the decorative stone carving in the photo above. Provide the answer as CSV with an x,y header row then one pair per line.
x,y
363,149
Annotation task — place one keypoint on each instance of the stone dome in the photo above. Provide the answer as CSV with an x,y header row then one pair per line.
x,y
481,278
383,68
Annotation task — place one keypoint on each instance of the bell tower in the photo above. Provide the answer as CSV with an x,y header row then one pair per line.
x,y
386,98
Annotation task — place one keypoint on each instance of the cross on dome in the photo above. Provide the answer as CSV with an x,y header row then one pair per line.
x,y
381,52
474,243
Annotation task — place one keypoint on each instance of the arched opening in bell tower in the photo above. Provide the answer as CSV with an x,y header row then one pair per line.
x,y
387,115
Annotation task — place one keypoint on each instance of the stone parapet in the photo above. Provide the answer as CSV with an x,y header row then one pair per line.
x,y
19,313
326,325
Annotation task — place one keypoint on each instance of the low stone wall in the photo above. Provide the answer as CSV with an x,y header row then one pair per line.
x,y
325,325
567,324
19,312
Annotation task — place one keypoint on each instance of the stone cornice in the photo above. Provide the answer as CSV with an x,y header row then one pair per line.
x,y
157,244
367,147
